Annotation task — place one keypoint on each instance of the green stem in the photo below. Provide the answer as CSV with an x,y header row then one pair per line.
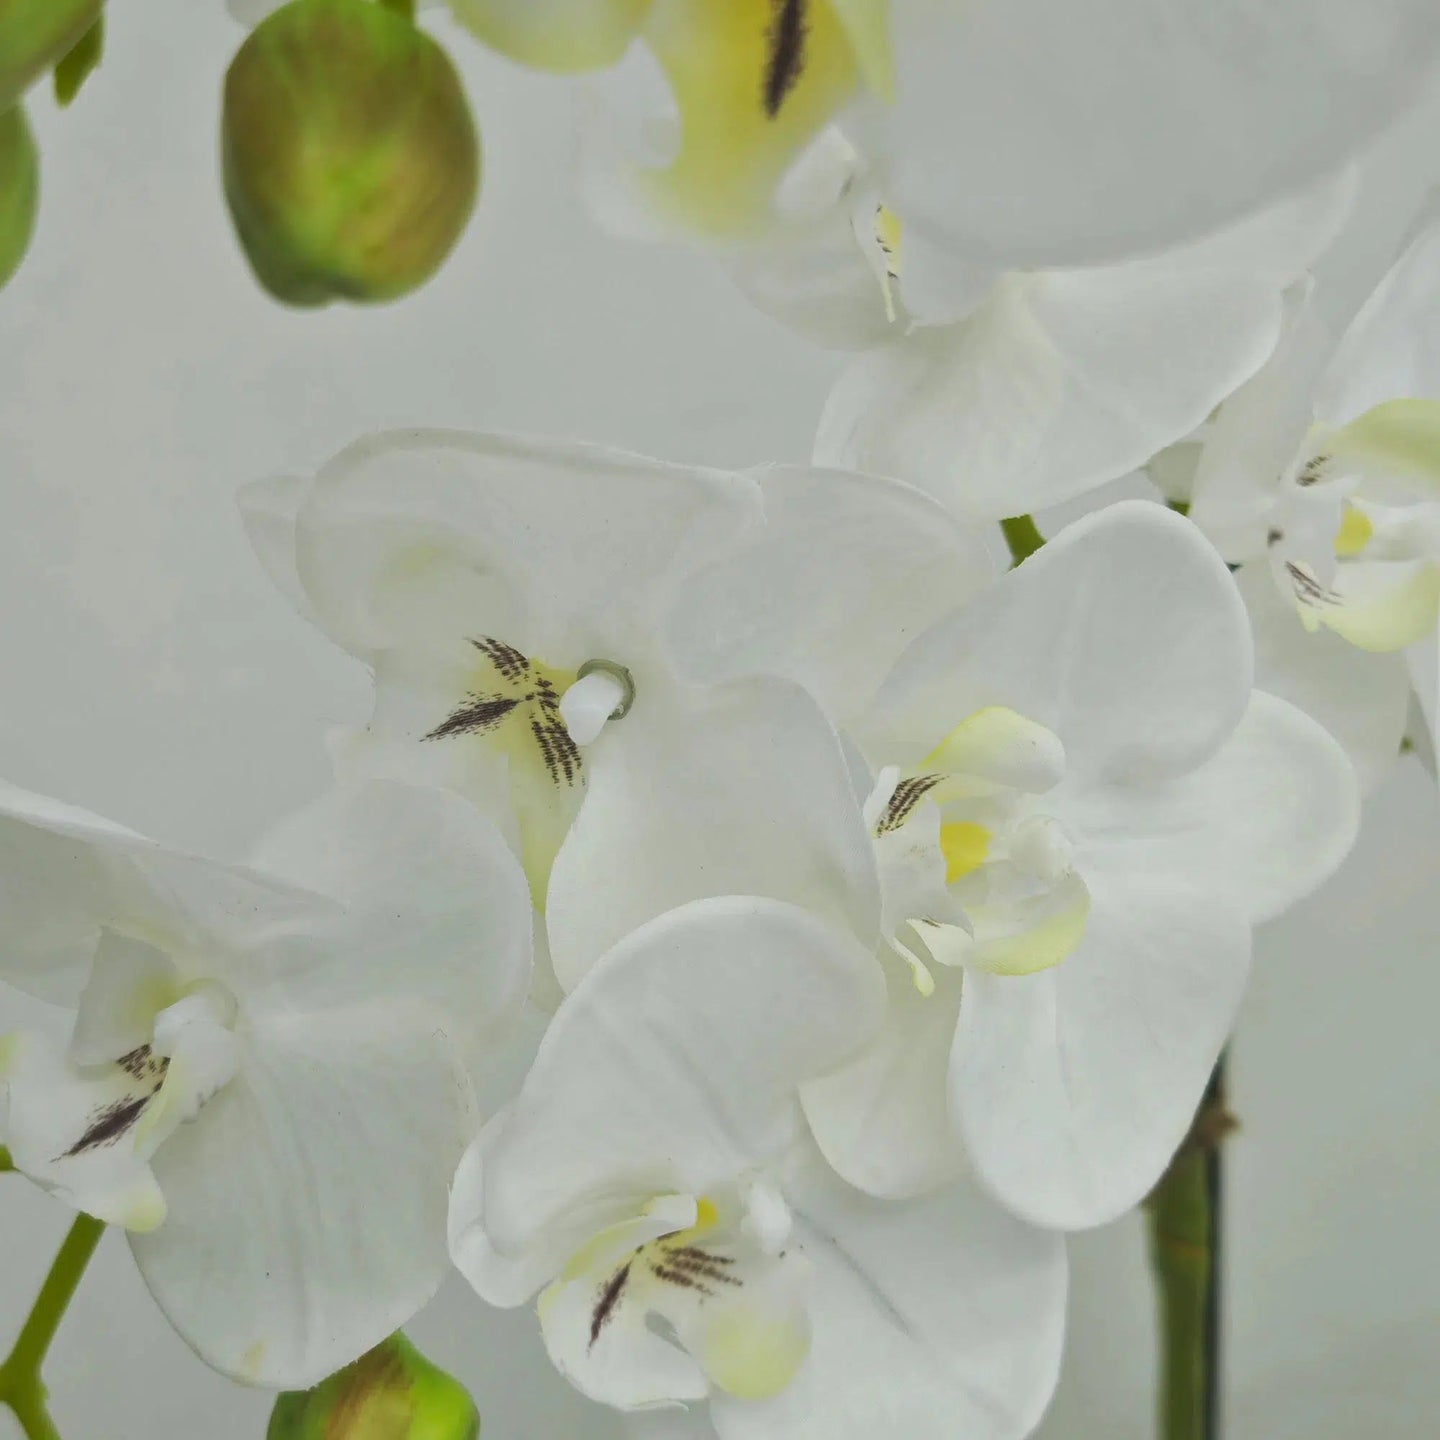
x,y
20,1385
6,1163
401,7
1023,537
1183,1216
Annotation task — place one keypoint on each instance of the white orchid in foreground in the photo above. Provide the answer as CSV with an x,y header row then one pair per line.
x,y
267,1078
544,641
654,1182
1321,480
1081,808
1078,809
510,597
1002,393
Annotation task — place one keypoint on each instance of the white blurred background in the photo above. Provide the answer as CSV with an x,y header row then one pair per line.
x,y
149,671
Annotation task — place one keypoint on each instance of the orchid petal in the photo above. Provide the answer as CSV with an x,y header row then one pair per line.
x,y
741,789
930,1318
1124,636
1064,380
1264,822
674,1064
1014,133
845,572
1073,1088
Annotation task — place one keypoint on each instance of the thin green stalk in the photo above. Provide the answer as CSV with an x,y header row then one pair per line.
x,y
1023,537
21,1387
6,1163
1183,1216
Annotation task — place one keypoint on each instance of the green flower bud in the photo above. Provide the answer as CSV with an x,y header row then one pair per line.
x,y
19,190
34,34
390,1393
351,160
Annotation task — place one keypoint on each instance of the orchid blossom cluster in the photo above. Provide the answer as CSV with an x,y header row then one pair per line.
x,y
755,922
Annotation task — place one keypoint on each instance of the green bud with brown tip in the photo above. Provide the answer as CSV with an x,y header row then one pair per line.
x,y
390,1393
19,190
350,157
34,35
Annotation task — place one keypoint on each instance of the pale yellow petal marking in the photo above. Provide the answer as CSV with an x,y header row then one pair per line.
x,y
1041,946
1002,747
1385,617
754,81
1398,438
752,1353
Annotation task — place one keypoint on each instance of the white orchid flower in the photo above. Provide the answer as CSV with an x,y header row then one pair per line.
x,y
654,1182
1002,130
267,1078
1002,394
1321,480
549,624
1078,809
509,595
748,795
1081,810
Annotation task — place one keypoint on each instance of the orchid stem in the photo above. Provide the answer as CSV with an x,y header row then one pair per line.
x,y
1184,1217
21,1387
1023,537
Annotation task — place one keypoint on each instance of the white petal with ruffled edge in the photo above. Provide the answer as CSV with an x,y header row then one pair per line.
x,y
1014,127
1063,380
1073,1088
430,920
307,1202
883,1121
738,789
846,570
415,540
66,875
1263,823
1124,636
930,1318
674,1063
1391,350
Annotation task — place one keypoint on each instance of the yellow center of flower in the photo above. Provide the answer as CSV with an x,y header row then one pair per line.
x,y
1002,894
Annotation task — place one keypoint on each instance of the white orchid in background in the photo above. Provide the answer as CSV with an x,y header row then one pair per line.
x,y
654,1181
1321,481
1003,131
1078,809
267,1081
1002,393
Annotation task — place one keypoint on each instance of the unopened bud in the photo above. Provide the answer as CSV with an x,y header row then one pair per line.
x,y
34,34
350,156
19,190
390,1393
